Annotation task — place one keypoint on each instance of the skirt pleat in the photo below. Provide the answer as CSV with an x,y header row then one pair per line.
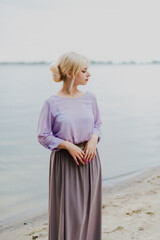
x,y
75,198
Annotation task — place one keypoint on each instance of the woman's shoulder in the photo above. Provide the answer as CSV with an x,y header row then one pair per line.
x,y
50,100
92,94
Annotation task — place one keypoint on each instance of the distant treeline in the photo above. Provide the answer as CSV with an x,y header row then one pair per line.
x,y
92,62
125,62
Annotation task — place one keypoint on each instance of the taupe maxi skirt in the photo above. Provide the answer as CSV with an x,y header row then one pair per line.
x,y
75,198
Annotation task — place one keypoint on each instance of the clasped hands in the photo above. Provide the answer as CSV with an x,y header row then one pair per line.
x,y
88,153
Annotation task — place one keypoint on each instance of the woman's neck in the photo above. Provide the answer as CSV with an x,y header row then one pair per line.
x,y
73,92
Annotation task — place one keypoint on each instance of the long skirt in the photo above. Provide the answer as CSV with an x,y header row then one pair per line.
x,y
75,198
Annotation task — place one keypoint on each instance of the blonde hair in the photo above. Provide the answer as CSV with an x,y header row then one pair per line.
x,y
66,62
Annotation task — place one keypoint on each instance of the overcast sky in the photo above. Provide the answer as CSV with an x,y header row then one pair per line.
x,y
36,30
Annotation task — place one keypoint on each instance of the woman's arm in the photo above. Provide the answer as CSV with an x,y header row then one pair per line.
x,y
44,131
65,145
90,147
97,120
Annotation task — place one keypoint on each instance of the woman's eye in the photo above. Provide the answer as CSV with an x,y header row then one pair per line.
x,y
83,71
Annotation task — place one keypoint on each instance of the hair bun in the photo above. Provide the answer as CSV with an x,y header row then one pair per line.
x,y
56,72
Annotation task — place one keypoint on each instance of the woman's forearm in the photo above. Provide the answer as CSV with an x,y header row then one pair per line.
x,y
64,145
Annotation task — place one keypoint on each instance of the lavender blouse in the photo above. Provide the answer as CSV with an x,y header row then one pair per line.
x,y
70,119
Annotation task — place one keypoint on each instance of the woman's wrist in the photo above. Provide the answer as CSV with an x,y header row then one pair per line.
x,y
65,145
94,137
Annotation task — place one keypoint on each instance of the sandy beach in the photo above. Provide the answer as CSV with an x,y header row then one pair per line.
x,y
130,210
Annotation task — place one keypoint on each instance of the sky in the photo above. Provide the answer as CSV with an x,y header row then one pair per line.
x,y
116,30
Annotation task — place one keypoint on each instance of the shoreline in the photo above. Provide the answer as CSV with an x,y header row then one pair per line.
x,y
106,182
130,209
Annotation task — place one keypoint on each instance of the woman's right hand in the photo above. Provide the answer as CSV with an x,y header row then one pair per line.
x,y
76,153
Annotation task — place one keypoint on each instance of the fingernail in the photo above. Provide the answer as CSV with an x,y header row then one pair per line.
x,y
78,164
92,158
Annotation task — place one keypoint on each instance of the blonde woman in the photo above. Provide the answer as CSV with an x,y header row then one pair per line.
x,y
69,126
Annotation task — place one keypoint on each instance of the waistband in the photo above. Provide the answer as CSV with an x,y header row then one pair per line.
x,y
81,145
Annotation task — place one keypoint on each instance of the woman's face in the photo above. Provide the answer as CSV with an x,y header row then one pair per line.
x,y
83,76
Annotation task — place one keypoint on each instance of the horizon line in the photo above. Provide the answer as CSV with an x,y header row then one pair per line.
x,y
92,62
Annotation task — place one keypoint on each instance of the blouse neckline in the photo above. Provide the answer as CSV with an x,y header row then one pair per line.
x,y
71,97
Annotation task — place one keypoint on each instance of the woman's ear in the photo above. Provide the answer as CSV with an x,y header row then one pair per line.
x,y
69,74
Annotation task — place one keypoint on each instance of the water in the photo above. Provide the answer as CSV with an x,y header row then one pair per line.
x,y
129,103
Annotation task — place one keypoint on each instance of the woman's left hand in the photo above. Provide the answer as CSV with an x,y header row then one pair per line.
x,y
90,148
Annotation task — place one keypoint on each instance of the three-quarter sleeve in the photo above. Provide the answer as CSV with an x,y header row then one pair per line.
x,y
97,119
44,131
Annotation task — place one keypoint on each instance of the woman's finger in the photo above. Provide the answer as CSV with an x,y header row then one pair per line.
x,y
86,155
80,157
94,156
82,152
76,160
81,161
89,155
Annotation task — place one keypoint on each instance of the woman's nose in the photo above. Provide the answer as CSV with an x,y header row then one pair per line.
x,y
89,74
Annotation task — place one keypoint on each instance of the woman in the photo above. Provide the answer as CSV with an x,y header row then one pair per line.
x,y
69,125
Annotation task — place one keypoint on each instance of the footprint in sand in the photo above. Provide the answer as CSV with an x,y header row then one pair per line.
x,y
149,213
34,237
138,211
45,223
151,192
134,211
139,181
114,205
104,206
118,228
140,228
